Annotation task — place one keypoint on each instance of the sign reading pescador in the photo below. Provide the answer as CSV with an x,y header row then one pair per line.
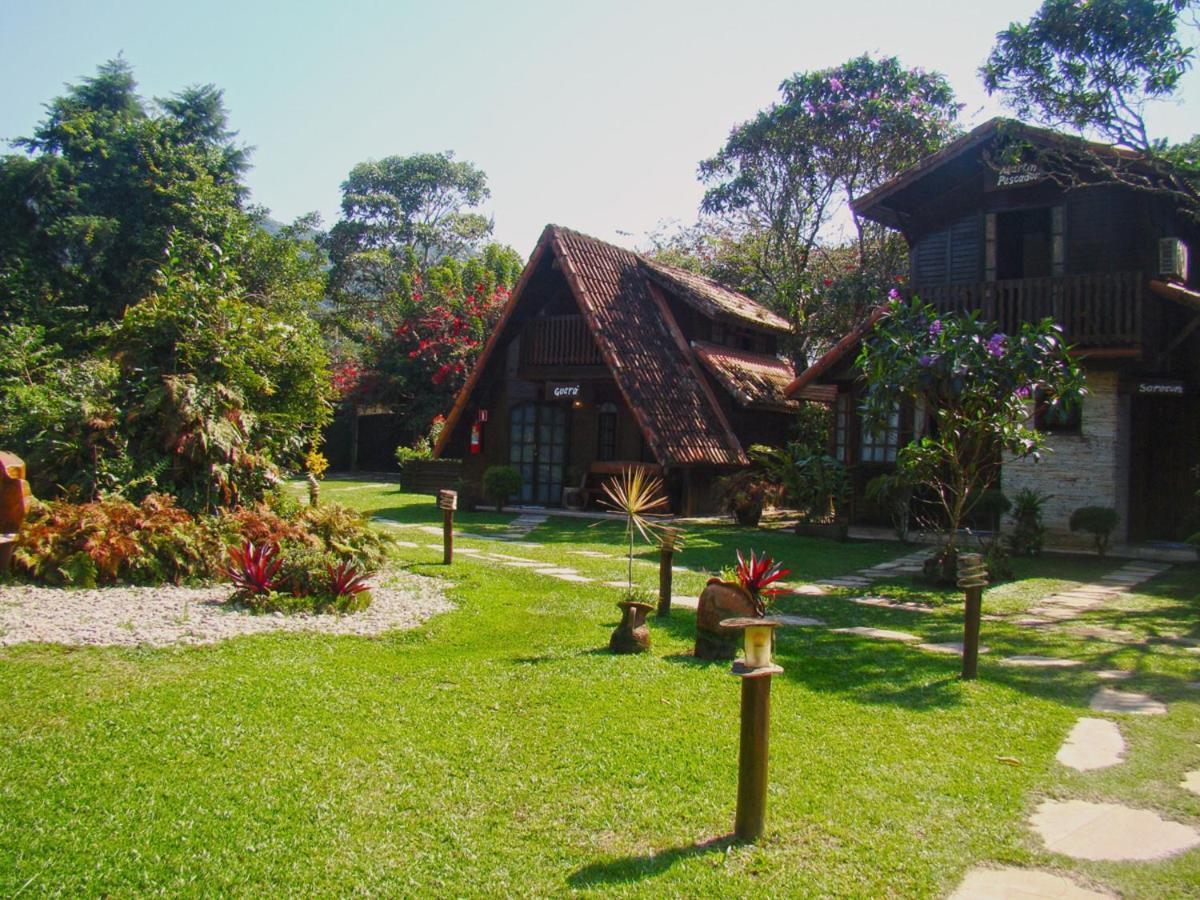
x,y
562,390
1017,176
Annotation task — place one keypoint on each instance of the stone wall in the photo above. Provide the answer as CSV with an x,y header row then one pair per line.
x,y
1086,469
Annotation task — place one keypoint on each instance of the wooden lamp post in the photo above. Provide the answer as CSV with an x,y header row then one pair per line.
x,y
666,556
755,669
972,578
447,503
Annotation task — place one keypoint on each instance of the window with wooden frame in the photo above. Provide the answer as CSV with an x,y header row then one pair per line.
x,y
843,416
606,432
882,444
1056,418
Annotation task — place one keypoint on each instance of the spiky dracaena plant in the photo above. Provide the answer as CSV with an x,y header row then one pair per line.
x,y
639,497
755,574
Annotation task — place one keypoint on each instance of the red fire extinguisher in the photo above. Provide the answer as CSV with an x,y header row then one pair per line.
x,y
476,437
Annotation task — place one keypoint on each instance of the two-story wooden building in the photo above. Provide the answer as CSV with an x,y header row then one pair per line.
x,y
998,222
603,359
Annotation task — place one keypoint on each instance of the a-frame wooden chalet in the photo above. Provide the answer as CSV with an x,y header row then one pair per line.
x,y
604,359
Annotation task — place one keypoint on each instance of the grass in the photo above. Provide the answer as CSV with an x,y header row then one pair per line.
x,y
497,750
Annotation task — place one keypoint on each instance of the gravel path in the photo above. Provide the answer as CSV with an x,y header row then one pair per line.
x,y
157,616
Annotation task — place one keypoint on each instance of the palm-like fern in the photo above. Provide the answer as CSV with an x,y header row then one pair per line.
x,y
639,497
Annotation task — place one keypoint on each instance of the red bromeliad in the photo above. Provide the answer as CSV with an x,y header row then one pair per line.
x,y
253,568
755,573
345,579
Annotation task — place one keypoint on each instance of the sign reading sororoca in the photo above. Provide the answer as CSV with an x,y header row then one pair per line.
x,y
1161,388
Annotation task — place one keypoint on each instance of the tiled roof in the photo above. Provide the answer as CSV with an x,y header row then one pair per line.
x,y
807,379
754,379
649,358
713,299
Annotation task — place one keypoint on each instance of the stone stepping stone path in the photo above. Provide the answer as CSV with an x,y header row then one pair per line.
x,y
1069,604
1114,674
593,554
683,601
909,564
882,634
950,648
1041,662
1092,744
1110,635
1191,782
885,603
521,526
563,574
1109,831
1108,700
1010,883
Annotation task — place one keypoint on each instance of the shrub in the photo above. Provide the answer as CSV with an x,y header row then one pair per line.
x,y
1028,532
1099,521
500,483
346,535
991,507
894,492
817,484
114,540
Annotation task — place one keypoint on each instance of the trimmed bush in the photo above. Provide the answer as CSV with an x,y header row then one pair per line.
x,y
500,483
1099,521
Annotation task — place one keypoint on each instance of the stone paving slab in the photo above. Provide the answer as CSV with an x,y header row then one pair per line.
x,y
882,634
593,554
1113,701
950,648
1108,831
399,543
808,590
1041,662
684,601
1191,782
1010,883
796,620
1112,635
1092,744
885,603
1114,674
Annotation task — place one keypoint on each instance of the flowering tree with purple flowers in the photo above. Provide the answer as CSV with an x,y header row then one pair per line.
x,y
976,384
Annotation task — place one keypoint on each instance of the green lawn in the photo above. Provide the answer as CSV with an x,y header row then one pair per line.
x,y
499,750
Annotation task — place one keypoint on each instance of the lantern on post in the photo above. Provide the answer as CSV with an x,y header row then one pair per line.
x,y
972,578
755,669
447,503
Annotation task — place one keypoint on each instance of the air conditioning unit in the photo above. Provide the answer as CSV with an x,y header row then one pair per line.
x,y
1172,259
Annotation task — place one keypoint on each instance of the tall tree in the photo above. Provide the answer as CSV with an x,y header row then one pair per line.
x,y
781,177
1092,66
153,334
107,181
403,213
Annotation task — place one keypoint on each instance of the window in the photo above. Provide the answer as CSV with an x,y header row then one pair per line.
x,y
1063,418
881,446
841,426
606,431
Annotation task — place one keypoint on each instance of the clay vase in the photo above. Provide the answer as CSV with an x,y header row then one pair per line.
x,y
633,634
721,600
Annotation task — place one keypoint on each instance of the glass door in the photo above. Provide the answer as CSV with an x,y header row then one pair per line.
x,y
537,449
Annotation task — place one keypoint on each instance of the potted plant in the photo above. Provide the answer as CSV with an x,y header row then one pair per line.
x,y
744,495
744,595
638,497
572,495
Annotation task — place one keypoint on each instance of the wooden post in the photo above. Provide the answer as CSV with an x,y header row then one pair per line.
x,y
752,758
666,556
447,502
755,669
972,578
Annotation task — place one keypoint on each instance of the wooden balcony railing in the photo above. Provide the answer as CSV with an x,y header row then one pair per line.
x,y
1102,310
559,341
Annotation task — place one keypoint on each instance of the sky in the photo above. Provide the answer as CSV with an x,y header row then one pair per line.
x,y
592,116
